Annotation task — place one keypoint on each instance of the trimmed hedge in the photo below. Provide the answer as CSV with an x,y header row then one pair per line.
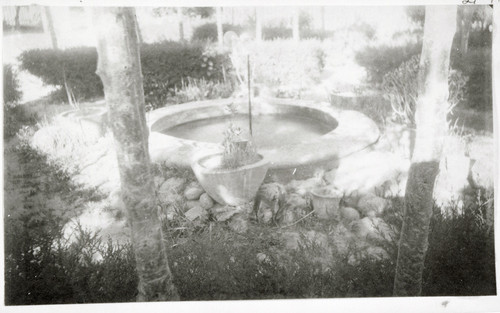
x,y
165,66
208,31
381,60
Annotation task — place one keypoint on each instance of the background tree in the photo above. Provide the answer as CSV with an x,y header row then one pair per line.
x,y
119,68
431,128
258,24
181,13
220,31
295,24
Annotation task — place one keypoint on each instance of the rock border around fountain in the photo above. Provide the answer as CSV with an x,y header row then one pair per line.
x,y
353,132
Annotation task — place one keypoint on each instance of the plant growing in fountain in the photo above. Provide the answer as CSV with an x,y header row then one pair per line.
x,y
238,151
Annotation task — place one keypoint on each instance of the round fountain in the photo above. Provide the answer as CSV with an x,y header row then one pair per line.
x,y
297,137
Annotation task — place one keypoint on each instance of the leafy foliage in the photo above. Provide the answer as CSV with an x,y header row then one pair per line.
x,y
237,151
477,66
208,31
11,92
380,60
200,89
165,65
400,87
461,255
40,266
285,67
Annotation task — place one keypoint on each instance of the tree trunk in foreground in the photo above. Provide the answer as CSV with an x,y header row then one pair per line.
x,y
430,120
120,71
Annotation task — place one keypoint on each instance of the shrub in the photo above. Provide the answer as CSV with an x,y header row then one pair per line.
x,y
201,89
366,29
284,66
79,66
400,87
276,32
461,256
380,60
11,92
40,266
165,65
208,31
316,34
476,64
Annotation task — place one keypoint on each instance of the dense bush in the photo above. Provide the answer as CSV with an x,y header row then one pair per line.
x,y
164,66
366,29
40,266
77,64
400,87
461,256
208,31
167,65
11,92
285,66
476,64
380,60
276,32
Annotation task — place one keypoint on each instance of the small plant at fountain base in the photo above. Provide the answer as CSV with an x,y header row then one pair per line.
x,y
238,151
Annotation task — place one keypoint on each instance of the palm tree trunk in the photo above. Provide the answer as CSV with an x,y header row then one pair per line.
x,y
119,68
430,120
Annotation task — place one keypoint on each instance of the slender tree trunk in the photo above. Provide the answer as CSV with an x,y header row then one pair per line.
x,y
258,25
138,29
430,120
465,26
220,32
322,10
50,27
16,18
295,24
180,20
119,68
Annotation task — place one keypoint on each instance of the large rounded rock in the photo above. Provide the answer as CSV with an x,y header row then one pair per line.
x,y
205,201
303,187
482,174
159,180
349,214
172,185
196,213
238,223
371,202
452,179
296,202
192,204
193,191
363,227
482,152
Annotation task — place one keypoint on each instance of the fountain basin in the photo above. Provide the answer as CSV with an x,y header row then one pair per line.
x,y
298,137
